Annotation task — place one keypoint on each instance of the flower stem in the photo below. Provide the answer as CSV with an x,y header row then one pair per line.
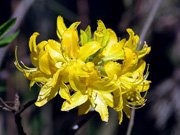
x,y
148,22
131,122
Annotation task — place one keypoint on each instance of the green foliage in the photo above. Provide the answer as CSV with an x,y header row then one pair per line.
x,y
9,39
4,28
85,36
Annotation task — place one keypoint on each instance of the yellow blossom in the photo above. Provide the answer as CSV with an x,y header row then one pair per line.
x,y
90,71
90,90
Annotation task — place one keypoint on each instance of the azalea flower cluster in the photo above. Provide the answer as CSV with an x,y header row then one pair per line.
x,y
90,71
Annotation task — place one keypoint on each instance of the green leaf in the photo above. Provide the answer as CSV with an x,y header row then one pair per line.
x,y
88,32
5,41
6,26
83,37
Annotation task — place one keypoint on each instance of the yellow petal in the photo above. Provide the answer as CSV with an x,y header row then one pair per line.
x,y
84,108
41,45
44,62
77,76
53,47
112,37
88,49
70,46
64,92
127,111
126,83
77,68
104,85
48,91
101,30
108,97
130,60
145,50
133,40
140,68
61,27
113,52
118,100
37,76
112,68
100,105
34,56
32,43
74,25
77,83
101,35
135,76
31,84
77,99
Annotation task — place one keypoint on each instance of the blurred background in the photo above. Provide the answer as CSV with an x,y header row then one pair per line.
x,y
161,114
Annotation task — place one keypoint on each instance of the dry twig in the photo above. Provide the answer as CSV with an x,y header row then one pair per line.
x,y
16,108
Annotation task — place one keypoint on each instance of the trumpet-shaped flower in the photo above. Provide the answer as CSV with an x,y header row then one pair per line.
x,y
90,71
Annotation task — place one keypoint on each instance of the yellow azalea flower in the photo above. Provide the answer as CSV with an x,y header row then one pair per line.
x,y
131,84
99,101
70,42
90,71
133,42
91,90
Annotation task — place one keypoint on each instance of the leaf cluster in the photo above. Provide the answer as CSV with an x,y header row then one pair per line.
x,y
4,28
